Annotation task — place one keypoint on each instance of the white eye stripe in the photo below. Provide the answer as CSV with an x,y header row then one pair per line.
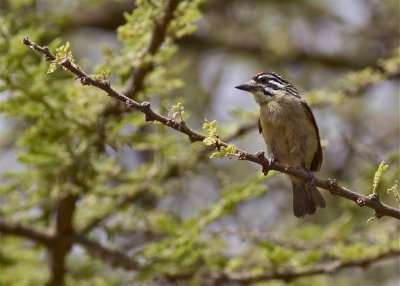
x,y
269,90
270,80
276,84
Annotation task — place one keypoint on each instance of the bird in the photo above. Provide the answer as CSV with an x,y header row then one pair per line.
x,y
291,134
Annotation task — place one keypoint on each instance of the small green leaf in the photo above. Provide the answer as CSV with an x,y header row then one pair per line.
x,y
230,150
52,67
211,128
378,175
62,53
395,190
210,141
177,111
103,75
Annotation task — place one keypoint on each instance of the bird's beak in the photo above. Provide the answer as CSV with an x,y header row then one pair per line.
x,y
248,86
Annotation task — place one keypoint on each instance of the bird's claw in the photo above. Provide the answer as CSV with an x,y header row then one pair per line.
x,y
311,180
260,154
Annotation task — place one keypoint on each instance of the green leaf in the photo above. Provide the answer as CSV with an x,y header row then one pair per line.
x,y
62,53
211,128
230,150
177,111
378,175
395,190
102,75
210,141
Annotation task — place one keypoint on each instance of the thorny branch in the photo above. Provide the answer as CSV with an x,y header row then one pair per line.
x,y
380,209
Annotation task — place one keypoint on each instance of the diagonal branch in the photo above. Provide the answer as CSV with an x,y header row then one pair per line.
x,y
329,268
45,237
113,257
49,239
157,38
372,201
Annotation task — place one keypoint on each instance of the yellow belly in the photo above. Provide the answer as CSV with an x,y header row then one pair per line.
x,y
290,136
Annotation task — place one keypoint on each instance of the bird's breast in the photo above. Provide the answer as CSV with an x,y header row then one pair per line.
x,y
288,133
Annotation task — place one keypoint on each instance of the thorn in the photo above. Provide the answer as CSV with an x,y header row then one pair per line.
x,y
260,154
84,80
146,105
128,104
26,41
374,197
360,202
265,170
332,183
333,186
171,122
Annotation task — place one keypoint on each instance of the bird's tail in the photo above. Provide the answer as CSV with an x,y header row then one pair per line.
x,y
305,200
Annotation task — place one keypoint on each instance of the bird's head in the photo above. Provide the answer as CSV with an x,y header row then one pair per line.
x,y
268,86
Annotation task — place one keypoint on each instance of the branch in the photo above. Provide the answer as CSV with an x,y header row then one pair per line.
x,y
113,257
170,172
64,226
43,236
120,203
371,201
330,268
157,38
120,259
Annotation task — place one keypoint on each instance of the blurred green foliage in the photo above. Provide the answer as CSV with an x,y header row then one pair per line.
x,y
136,181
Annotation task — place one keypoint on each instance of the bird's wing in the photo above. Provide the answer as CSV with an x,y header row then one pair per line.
x,y
317,160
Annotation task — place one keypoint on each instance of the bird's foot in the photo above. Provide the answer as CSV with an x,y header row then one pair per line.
x,y
260,154
311,180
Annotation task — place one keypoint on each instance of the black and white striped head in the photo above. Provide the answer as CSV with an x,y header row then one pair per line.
x,y
269,84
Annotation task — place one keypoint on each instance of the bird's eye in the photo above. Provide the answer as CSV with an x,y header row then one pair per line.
x,y
263,79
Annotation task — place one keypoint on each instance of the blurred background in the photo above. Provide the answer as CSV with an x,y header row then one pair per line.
x,y
142,186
